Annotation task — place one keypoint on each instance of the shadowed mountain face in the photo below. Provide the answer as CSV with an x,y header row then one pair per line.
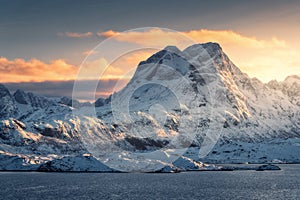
x,y
196,97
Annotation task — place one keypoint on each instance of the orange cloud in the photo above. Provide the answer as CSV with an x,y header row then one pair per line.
x,y
265,59
147,38
89,52
19,70
77,35
107,34
224,37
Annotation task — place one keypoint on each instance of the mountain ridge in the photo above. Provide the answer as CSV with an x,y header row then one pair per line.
x,y
174,97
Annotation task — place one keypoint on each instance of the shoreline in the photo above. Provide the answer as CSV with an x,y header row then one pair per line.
x,y
225,167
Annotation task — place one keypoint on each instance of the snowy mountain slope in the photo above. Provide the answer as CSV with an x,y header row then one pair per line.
x,y
196,97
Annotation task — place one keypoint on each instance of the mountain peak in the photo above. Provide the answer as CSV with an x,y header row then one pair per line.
x,y
4,91
208,45
212,49
292,79
20,97
7,106
163,54
172,49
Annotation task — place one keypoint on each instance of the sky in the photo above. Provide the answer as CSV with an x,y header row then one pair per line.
x,y
43,43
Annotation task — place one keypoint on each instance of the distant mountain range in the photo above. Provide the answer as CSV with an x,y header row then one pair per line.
x,y
195,98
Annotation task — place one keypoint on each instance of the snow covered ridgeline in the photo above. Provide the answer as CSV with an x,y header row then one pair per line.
x,y
260,121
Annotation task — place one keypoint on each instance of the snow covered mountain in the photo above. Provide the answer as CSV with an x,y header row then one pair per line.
x,y
195,98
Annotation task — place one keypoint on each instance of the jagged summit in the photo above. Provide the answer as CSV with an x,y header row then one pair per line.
x,y
289,79
173,49
198,55
292,79
211,47
7,103
21,97
163,54
4,91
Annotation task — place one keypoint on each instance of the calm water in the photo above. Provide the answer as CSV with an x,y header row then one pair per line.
x,y
284,184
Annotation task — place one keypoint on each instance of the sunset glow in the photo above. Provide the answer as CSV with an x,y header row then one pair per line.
x,y
265,59
263,42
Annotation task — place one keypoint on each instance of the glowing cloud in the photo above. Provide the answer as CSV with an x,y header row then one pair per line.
x,y
20,70
107,34
224,37
77,35
89,52
265,59
147,38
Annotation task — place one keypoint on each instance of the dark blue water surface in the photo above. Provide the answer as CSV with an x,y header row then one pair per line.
x,y
284,184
